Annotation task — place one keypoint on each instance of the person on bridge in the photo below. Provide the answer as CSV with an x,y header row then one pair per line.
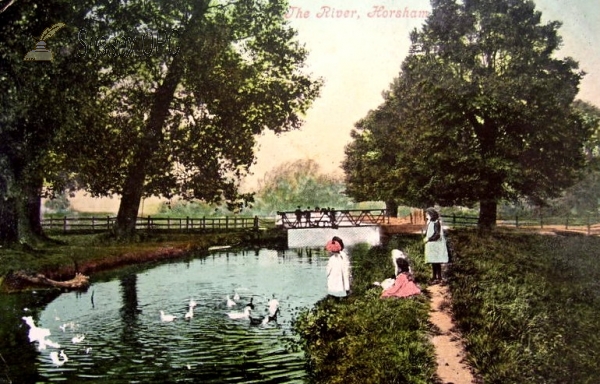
x,y
436,252
338,270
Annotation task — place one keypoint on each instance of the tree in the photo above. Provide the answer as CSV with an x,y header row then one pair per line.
x,y
185,124
39,101
487,108
299,183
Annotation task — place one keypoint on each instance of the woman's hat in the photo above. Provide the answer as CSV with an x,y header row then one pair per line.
x,y
333,246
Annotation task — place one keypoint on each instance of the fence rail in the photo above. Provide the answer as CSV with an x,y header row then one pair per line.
x,y
589,224
99,224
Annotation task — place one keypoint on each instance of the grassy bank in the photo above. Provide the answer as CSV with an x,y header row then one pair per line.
x,y
529,306
364,339
90,254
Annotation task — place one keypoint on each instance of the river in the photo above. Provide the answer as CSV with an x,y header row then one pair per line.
x,y
124,340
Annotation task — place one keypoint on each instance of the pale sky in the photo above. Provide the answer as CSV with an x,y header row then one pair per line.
x,y
359,56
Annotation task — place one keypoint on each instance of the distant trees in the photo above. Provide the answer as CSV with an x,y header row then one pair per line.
x,y
481,111
299,183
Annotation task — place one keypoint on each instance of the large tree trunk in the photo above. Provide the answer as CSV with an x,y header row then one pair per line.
x,y
28,212
9,233
392,208
487,214
133,188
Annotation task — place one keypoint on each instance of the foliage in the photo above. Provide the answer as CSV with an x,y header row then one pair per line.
x,y
364,339
527,306
41,102
482,111
299,183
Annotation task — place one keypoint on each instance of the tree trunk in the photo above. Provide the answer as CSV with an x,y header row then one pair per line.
x,y
133,188
8,221
487,214
28,211
392,208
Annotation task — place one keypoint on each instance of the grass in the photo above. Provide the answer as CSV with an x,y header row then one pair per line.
x,y
528,306
364,339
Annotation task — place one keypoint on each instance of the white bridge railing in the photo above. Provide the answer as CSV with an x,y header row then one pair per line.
x,y
331,218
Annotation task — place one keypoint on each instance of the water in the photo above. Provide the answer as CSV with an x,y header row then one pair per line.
x,y
125,341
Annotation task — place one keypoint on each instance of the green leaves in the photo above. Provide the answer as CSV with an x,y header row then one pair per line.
x,y
481,110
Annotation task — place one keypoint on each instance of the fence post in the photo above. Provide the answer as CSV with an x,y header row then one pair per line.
x,y
256,223
541,221
187,223
65,224
203,222
567,222
108,222
517,221
148,222
226,222
453,220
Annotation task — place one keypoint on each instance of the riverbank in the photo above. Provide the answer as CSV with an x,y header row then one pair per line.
x,y
68,255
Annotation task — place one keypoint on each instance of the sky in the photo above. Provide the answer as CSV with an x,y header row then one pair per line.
x,y
357,51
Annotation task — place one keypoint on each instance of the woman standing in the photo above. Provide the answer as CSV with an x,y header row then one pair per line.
x,y
338,270
436,252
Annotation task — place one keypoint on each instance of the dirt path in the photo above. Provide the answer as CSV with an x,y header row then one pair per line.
x,y
449,352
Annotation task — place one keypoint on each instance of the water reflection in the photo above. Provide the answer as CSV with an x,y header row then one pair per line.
x,y
125,341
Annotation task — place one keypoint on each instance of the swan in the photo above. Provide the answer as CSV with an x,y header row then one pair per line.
x,y
230,303
240,315
78,339
236,296
193,303
56,360
166,318
251,304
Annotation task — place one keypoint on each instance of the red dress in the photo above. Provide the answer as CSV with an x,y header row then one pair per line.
x,y
403,287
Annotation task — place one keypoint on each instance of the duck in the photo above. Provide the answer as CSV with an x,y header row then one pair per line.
x,y
273,308
230,303
240,315
36,333
166,318
77,339
189,314
56,358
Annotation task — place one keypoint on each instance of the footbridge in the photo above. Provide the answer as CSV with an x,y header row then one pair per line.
x,y
313,228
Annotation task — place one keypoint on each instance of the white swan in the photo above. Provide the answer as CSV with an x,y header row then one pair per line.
x,y
193,303
240,315
166,318
54,356
236,296
230,303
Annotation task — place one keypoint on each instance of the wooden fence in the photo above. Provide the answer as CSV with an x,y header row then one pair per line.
x,y
190,224
587,224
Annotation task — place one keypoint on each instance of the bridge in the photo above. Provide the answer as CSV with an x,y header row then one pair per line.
x,y
314,228
331,218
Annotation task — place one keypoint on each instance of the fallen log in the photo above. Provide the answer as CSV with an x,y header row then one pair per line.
x,y
80,281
